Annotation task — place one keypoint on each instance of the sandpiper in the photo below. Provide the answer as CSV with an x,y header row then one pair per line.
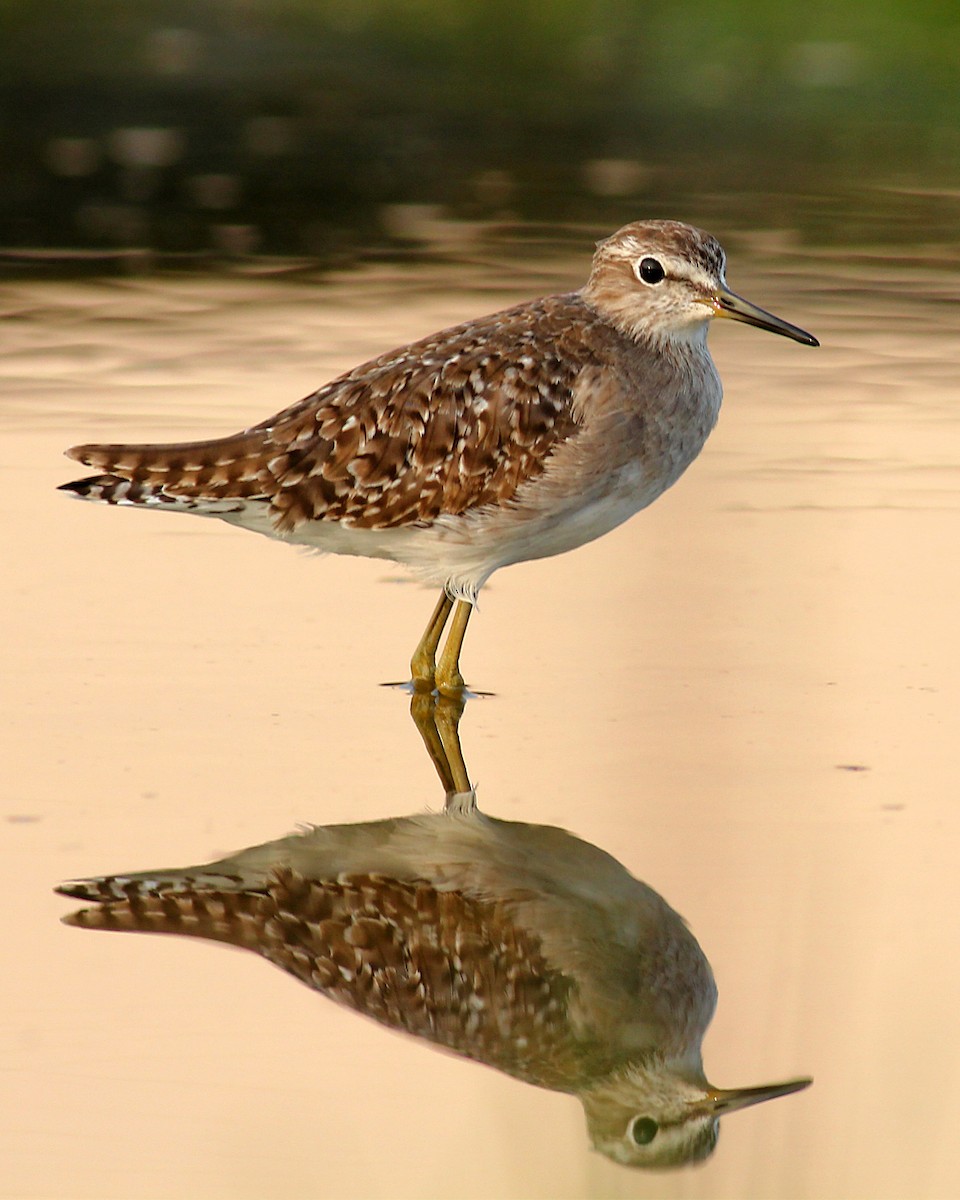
x,y
515,436
517,945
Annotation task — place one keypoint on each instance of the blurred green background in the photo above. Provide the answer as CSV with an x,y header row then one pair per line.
x,y
308,127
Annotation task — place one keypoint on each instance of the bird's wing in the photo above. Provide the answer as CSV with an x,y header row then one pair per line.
x,y
466,925
455,421
434,963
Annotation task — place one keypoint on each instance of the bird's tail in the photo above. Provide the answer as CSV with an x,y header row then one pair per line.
x,y
112,489
212,476
171,902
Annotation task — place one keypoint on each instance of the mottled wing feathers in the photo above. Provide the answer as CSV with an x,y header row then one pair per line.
x,y
455,421
454,970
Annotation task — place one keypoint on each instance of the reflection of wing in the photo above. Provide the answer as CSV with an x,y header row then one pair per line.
x,y
453,970
516,945
452,422
519,945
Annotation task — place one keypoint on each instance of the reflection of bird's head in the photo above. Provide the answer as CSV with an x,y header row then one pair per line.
x,y
656,1115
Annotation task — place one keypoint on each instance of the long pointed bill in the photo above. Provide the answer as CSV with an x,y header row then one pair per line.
x,y
721,1101
727,304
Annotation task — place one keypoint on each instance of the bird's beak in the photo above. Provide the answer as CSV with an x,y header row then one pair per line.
x,y
727,304
721,1101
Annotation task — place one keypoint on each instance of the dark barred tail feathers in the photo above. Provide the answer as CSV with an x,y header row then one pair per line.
x,y
203,477
112,489
185,907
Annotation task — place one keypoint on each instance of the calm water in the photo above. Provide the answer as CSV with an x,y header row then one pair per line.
x,y
748,695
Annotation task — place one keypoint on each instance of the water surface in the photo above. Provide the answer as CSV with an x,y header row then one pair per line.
x,y
748,694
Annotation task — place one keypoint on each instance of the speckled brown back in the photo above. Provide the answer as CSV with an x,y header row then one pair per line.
x,y
452,422
437,964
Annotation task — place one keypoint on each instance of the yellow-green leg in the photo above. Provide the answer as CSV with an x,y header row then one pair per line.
x,y
437,719
447,716
423,710
448,677
424,661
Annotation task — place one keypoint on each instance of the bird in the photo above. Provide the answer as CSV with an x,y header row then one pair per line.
x,y
517,945
515,436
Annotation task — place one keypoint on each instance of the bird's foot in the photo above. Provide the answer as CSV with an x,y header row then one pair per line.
x,y
450,683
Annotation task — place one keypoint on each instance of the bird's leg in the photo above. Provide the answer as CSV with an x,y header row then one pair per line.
x,y
449,679
437,719
424,661
423,710
447,715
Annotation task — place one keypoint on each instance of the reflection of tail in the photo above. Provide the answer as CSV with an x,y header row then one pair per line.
x,y
175,903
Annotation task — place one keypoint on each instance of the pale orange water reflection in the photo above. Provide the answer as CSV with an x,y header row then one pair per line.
x,y
691,692
513,944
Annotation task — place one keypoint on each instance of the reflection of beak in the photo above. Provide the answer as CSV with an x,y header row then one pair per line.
x,y
720,1101
727,304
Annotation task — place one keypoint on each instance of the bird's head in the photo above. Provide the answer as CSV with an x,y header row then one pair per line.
x,y
651,1116
664,281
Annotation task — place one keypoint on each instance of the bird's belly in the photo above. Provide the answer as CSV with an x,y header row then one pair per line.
x,y
461,552
528,533
470,548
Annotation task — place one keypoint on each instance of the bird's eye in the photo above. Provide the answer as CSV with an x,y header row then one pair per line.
x,y
643,1130
650,270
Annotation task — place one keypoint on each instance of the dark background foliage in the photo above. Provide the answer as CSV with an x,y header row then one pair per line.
x,y
299,126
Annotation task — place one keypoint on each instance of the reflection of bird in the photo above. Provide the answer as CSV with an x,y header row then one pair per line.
x,y
517,945
516,436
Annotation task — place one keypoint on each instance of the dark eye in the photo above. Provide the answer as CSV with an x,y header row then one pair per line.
x,y
643,1129
650,270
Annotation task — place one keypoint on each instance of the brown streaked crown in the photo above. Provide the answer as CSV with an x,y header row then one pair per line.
x,y
684,242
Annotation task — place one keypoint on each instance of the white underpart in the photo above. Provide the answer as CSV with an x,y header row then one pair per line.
x,y
460,553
